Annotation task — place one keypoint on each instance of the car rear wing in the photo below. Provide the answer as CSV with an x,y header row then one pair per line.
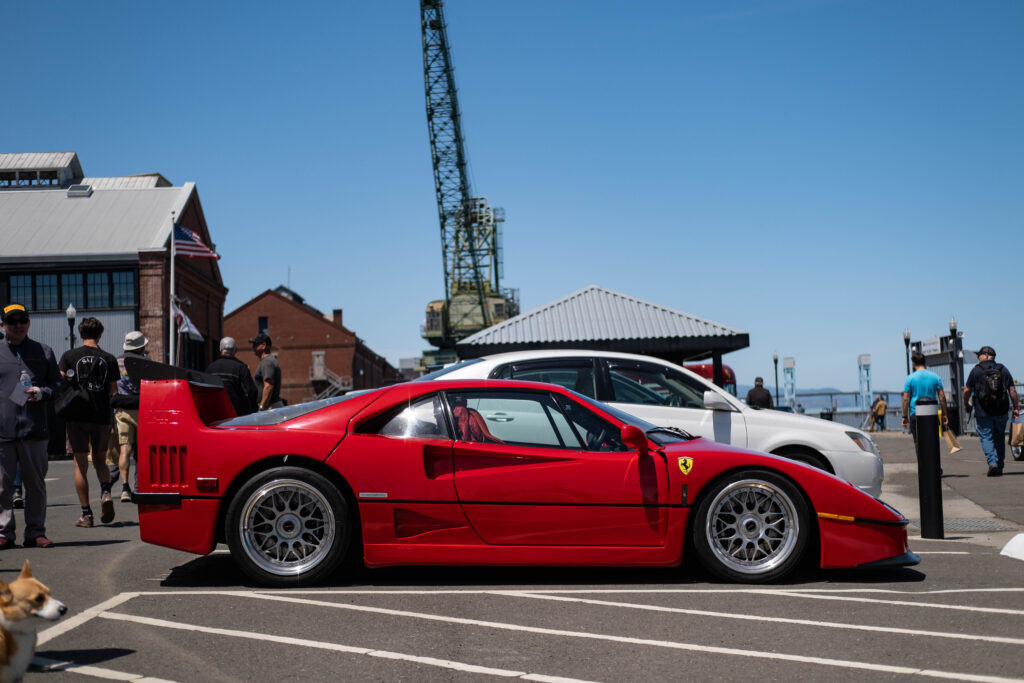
x,y
163,388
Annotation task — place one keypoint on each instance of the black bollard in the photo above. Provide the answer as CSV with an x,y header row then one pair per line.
x,y
929,491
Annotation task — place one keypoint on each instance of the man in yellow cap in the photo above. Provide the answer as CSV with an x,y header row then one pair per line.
x,y
28,379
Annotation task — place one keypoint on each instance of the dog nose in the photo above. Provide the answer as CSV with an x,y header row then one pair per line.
x,y
63,609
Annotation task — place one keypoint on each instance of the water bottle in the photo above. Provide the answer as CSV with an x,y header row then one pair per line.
x,y
26,380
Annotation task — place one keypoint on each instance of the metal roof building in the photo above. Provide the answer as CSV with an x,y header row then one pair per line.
x,y
602,319
101,245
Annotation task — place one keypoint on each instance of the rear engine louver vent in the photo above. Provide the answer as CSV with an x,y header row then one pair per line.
x,y
167,466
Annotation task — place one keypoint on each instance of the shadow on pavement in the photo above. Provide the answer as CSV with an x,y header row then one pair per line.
x,y
219,571
80,657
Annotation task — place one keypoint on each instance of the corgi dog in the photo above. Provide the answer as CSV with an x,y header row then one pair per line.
x,y
20,601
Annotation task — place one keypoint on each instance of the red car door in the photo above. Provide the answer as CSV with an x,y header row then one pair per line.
x,y
545,470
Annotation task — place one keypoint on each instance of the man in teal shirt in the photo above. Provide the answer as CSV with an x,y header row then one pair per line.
x,y
921,383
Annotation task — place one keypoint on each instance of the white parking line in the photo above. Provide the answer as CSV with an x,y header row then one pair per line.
x,y
51,665
77,620
102,610
905,603
941,552
336,647
838,663
769,620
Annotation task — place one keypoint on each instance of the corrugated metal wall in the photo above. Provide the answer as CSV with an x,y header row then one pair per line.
x,y
52,329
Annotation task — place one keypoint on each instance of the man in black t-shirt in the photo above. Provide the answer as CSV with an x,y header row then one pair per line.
x,y
236,378
990,420
89,421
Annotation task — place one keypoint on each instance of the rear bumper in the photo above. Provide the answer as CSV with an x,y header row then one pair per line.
x,y
188,524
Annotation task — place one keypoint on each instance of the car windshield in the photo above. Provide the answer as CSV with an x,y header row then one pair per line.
x,y
278,415
445,370
662,436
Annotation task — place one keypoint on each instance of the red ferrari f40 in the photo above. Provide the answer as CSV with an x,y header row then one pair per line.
x,y
482,472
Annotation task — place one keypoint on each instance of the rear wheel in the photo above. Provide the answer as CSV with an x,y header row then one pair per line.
x,y
752,526
288,526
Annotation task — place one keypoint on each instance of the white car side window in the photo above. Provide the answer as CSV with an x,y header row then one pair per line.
x,y
654,385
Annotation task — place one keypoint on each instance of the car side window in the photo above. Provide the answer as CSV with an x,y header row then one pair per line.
x,y
517,418
597,434
575,374
650,384
422,419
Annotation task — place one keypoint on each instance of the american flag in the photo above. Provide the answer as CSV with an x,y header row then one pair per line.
x,y
188,243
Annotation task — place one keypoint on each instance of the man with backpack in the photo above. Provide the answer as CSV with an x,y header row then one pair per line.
x,y
89,419
994,396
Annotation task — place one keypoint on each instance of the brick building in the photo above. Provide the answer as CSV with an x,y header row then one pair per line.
x,y
101,246
319,356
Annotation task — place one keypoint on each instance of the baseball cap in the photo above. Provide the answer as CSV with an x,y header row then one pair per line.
x,y
261,338
228,344
14,313
987,351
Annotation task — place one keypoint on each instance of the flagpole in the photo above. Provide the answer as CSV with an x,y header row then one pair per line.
x,y
170,308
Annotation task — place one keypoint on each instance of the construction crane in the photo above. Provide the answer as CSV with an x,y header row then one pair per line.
x,y
470,228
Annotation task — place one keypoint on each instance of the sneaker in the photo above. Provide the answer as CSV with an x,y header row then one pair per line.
x,y
38,542
84,521
126,495
5,543
994,472
18,499
107,508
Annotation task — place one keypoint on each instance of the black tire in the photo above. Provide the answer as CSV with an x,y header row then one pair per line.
x,y
807,457
752,526
288,526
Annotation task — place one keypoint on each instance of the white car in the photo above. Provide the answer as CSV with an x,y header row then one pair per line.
x,y
670,396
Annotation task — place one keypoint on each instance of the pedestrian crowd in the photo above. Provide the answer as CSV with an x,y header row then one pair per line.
x,y
90,390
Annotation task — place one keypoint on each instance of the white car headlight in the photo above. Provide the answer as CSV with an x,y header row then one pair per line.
x,y
864,442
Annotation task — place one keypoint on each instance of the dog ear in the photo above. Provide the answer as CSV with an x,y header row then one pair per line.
x,y
26,571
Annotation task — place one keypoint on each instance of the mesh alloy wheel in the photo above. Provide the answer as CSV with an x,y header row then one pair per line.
x,y
288,526
752,527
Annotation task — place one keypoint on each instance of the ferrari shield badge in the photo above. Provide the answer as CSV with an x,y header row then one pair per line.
x,y
685,465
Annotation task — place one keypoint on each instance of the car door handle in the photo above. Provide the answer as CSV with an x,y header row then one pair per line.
x,y
500,417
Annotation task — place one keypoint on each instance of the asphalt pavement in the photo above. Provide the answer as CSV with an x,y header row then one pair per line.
x,y
142,613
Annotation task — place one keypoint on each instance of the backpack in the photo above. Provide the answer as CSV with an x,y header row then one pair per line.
x,y
989,392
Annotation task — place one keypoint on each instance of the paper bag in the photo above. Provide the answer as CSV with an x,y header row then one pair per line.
x,y
1017,434
951,442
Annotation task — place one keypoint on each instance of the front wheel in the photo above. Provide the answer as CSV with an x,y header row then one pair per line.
x,y
752,527
288,526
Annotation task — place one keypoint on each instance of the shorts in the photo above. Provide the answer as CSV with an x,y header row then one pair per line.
x,y
85,436
127,424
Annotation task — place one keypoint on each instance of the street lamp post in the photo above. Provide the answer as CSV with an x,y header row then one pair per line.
x,y
955,372
906,343
775,360
71,323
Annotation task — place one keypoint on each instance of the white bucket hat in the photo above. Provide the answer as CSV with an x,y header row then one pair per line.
x,y
134,340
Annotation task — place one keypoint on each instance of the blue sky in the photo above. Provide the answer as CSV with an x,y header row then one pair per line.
x,y
820,174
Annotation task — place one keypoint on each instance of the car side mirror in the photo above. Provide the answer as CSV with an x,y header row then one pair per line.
x,y
714,401
635,439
